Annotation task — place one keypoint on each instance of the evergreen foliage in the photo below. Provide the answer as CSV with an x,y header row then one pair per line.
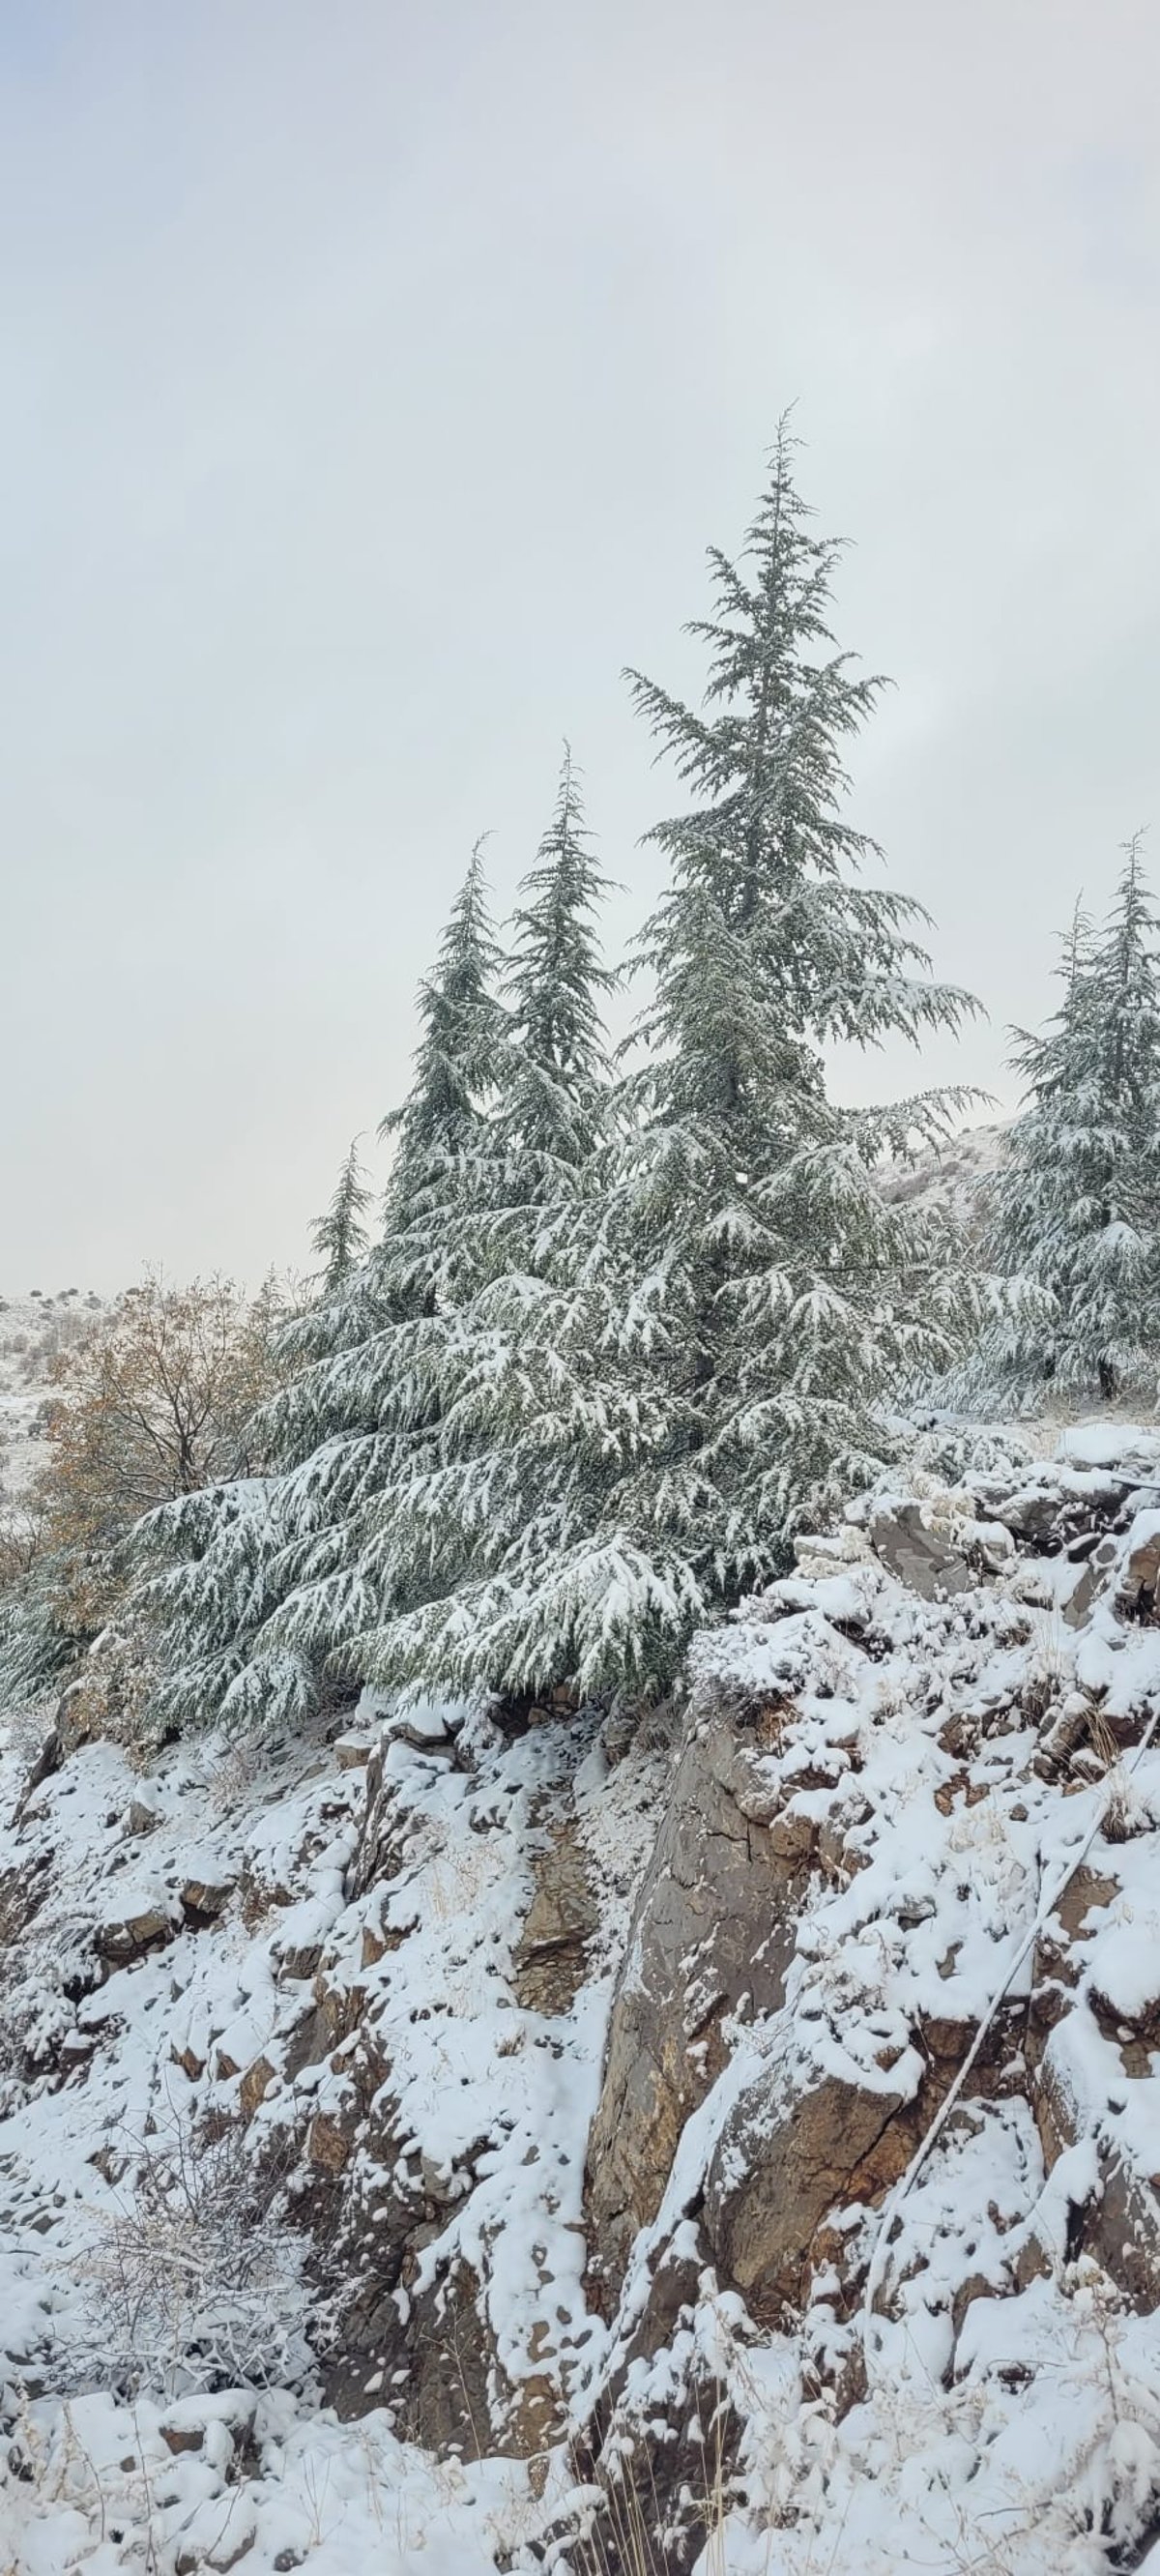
x,y
340,1236
258,1586
720,1309
618,1338
1076,1206
553,1103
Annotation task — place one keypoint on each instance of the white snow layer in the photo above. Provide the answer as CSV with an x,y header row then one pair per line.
x,y
1008,2418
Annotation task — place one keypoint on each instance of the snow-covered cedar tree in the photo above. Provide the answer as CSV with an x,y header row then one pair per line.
x,y
257,1587
726,1300
492,1146
339,1236
502,1363
549,1114
1076,1203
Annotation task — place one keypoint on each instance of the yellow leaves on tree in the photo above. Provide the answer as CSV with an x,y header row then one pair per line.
x,y
157,1400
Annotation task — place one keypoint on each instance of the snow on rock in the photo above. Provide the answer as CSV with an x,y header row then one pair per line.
x,y
421,2148
1110,1444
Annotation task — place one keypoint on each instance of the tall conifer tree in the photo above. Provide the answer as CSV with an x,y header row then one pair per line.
x,y
557,981
1076,1204
261,1588
339,1236
735,1296
500,1365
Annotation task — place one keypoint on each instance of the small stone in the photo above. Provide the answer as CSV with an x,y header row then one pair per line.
x,y
794,1838
207,1897
326,2146
1142,1557
301,1961
183,2437
254,2086
353,1752
110,2166
230,2551
125,1936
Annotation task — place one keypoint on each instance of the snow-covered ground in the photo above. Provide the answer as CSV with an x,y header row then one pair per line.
x,y
262,2009
32,1331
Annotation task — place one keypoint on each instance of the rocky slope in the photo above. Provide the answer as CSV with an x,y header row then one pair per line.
x,y
514,2140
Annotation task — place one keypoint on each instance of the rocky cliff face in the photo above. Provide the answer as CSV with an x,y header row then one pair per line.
x,y
456,2147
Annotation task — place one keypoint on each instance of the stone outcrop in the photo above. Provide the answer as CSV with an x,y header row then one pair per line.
x,y
781,2167
550,1959
144,1925
713,1932
920,1554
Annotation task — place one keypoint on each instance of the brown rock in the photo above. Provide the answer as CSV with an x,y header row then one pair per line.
x,y
326,2146
715,1925
781,2167
1142,1559
354,1751
126,1936
231,2549
1120,2224
946,2037
1091,1583
254,2086
794,1838
182,2437
563,1915
1085,1889
301,1961
839,1855
206,1898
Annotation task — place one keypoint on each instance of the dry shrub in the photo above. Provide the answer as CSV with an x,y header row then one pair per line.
x,y
194,2283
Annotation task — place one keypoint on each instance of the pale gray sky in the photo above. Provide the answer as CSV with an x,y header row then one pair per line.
x,y
374,377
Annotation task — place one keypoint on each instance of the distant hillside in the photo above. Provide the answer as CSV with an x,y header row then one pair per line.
x,y
32,1331
951,1179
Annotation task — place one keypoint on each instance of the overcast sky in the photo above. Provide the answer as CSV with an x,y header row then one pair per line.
x,y
374,377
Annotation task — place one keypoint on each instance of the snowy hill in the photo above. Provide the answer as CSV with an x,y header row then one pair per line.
x,y
479,2143
949,1182
32,1331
